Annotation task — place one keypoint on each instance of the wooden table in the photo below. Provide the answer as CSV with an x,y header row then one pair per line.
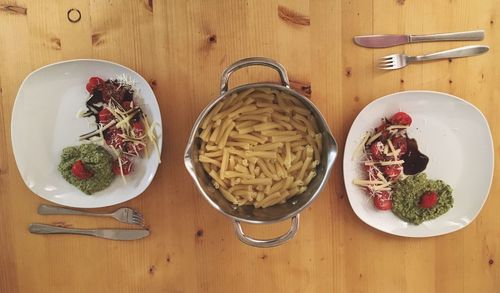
x,y
181,47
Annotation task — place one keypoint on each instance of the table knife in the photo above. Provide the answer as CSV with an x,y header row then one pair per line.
x,y
383,41
114,234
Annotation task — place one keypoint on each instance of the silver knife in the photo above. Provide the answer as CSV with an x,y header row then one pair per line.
x,y
114,234
383,41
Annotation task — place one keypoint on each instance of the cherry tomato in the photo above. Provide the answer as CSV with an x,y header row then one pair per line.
x,y
400,142
79,171
126,166
391,171
113,138
428,199
93,83
133,149
105,116
383,201
138,128
376,150
400,118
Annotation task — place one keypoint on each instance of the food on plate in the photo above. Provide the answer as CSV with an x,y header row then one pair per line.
x,y
416,199
384,153
391,160
260,147
87,166
120,122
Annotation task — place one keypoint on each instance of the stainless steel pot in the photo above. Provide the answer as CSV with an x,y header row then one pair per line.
x,y
249,214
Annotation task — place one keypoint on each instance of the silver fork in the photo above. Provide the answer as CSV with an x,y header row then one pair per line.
x,y
124,215
397,61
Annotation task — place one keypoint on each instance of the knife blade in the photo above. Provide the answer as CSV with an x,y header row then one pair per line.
x,y
383,41
113,234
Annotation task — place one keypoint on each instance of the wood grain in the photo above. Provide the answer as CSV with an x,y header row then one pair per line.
x,y
181,47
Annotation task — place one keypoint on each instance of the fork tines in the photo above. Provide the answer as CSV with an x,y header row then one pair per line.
x,y
387,62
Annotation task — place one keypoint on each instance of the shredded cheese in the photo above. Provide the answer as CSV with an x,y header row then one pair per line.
x,y
388,163
360,146
373,138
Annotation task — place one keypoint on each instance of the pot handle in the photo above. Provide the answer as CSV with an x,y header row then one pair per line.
x,y
251,62
264,243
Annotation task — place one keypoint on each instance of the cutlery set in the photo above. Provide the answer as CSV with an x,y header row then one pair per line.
x,y
124,215
397,61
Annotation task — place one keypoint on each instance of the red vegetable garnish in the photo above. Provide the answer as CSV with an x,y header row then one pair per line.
x,y
428,200
93,83
391,171
113,137
79,171
133,149
105,116
138,128
383,201
126,166
376,150
400,142
401,118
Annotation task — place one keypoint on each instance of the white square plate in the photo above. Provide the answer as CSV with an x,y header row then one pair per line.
x,y
457,139
44,122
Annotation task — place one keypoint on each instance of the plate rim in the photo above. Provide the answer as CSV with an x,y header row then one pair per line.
x,y
15,105
491,172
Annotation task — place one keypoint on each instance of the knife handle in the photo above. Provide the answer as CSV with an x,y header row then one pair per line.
x,y
459,36
48,229
44,209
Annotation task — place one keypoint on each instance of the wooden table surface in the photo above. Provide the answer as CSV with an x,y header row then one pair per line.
x,y
181,48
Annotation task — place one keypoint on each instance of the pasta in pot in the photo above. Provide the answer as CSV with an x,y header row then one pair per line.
x,y
260,147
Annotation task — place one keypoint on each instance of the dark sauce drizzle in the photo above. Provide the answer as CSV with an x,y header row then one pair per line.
x,y
114,91
414,161
96,102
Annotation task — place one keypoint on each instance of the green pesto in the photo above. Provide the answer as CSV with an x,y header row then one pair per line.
x,y
96,159
406,198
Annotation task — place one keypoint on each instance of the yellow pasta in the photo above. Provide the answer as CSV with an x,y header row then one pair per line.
x,y
260,147
226,112
217,179
268,146
234,174
266,126
213,154
261,111
242,169
285,124
215,110
261,154
223,164
278,132
245,124
204,159
298,126
286,138
260,181
260,118
211,148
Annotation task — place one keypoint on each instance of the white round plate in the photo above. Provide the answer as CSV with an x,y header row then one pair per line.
x,y
44,122
457,139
